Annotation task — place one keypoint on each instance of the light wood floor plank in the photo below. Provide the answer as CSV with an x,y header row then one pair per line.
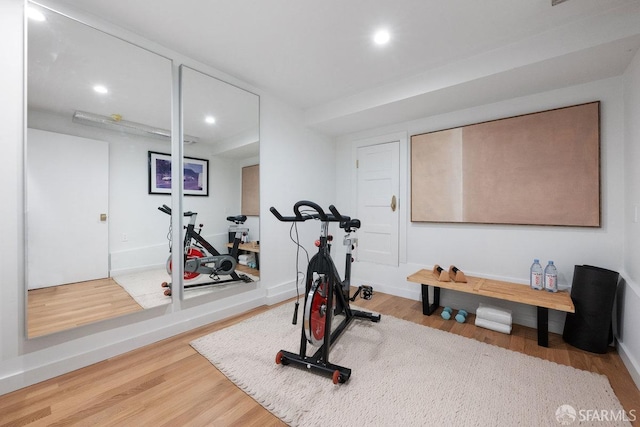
x,y
168,383
58,308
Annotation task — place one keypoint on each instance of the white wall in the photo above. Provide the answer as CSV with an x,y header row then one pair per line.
x,y
133,211
295,163
502,251
629,295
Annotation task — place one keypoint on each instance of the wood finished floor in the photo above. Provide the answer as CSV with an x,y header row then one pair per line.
x,y
68,306
170,384
62,307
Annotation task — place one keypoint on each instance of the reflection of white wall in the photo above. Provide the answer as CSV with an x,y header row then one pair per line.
x,y
237,142
137,229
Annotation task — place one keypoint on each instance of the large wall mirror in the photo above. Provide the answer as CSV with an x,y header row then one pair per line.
x,y
221,130
96,106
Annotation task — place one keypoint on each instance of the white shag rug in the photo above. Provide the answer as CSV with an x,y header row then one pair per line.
x,y
145,286
404,374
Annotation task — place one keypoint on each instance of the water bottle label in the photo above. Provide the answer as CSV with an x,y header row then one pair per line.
x,y
536,280
550,281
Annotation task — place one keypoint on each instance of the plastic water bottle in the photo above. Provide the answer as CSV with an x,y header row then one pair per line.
x,y
535,278
551,277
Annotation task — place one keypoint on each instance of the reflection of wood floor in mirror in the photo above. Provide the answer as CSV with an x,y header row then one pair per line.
x,y
169,383
244,269
63,307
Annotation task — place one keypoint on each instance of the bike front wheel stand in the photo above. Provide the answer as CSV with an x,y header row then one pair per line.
x,y
339,374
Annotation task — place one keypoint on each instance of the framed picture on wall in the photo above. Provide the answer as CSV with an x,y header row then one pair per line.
x,y
196,175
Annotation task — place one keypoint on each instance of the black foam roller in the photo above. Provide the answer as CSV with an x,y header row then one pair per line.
x,y
593,292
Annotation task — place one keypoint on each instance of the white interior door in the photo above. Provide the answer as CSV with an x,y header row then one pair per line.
x,y
67,192
378,187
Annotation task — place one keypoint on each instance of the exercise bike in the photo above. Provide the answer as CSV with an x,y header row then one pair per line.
x,y
200,257
326,295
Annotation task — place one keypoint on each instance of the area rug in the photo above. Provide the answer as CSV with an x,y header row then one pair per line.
x,y
145,286
405,374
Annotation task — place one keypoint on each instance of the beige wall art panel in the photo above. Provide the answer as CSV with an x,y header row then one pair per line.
x,y
538,169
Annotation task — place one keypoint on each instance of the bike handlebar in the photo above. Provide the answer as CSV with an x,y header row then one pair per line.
x,y
166,209
320,213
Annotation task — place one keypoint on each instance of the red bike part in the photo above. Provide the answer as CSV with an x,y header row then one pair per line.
x,y
336,377
191,253
315,313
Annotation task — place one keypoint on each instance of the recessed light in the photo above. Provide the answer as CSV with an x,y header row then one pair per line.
x,y
381,37
35,14
210,119
101,89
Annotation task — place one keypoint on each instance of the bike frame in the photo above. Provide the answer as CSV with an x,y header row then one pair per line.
x,y
322,265
191,234
213,256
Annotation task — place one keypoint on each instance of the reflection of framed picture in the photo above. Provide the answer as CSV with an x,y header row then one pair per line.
x,y
196,175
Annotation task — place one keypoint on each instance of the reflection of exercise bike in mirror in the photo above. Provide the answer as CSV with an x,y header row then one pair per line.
x,y
326,295
200,257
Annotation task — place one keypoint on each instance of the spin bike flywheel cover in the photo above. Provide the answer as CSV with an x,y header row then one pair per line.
x,y
314,313
191,253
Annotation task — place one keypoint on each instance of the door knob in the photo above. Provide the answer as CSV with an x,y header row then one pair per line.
x,y
393,203
103,217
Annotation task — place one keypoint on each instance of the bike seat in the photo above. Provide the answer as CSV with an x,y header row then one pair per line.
x,y
352,224
238,219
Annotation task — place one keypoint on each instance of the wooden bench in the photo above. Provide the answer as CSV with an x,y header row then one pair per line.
x,y
249,247
515,292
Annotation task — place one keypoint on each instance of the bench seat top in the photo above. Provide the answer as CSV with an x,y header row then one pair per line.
x,y
508,291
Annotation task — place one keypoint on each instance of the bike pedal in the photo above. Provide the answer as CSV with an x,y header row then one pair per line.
x,y
367,292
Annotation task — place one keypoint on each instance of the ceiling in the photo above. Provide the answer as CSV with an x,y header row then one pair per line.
x,y
443,55
66,59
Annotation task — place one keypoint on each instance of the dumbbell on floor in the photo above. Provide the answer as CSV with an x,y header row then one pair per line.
x,y
446,313
461,317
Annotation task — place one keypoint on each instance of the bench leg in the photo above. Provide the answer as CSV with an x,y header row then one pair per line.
x,y
543,327
427,308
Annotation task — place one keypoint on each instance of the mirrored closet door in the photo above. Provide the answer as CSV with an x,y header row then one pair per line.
x,y
96,244
221,140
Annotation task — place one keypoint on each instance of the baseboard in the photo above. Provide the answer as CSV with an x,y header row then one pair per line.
x,y
283,291
44,367
630,362
123,271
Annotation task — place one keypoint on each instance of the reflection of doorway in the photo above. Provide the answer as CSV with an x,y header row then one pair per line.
x,y
378,187
67,194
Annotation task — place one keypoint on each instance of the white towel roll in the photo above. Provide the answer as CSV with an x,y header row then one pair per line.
x,y
494,314
494,326
246,257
